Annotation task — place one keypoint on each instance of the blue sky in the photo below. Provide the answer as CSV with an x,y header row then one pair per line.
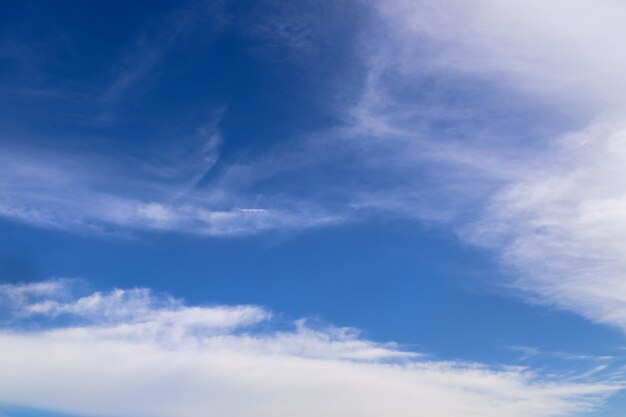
x,y
265,208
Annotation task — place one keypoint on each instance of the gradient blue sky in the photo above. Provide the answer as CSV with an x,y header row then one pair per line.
x,y
424,191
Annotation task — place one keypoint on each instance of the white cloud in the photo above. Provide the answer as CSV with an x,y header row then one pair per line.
x,y
159,357
566,48
552,205
130,306
562,226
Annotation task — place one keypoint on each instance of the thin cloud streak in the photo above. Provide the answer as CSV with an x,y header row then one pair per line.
x,y
94,194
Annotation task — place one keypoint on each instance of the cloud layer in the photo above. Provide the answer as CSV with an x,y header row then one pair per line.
x,y
131,353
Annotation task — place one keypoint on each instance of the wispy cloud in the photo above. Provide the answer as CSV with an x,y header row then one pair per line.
x,y
562,226
102,194
140,60
132,353
548,200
